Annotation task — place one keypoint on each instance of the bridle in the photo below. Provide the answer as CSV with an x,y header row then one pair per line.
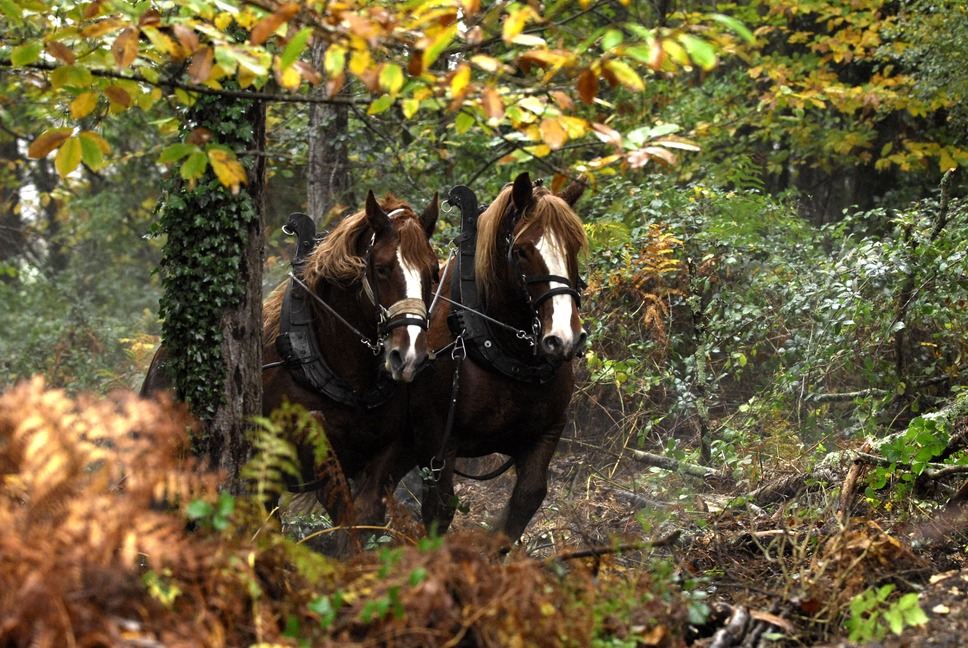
x,y
573,290
404,312
408,311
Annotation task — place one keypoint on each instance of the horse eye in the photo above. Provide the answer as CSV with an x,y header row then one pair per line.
x,y
382,271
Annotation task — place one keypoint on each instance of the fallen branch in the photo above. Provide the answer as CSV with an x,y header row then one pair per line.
x,y
674,465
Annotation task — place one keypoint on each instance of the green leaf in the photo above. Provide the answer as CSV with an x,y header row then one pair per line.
x,y
380,105
11,10
736,25
391,78
612,39
27,53
701,52
91,153
463,122
198,509
295,47
177,151
194,167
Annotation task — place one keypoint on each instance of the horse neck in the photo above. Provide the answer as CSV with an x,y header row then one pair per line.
x,y
342,348
507,304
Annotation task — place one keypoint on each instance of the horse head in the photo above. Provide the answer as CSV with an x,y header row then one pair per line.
x,y
400,268
542,239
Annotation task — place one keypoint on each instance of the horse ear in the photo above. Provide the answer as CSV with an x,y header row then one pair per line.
x,y
573,192
521,191
375,216
429,216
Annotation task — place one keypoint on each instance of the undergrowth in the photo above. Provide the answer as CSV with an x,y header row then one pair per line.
x,y
110,535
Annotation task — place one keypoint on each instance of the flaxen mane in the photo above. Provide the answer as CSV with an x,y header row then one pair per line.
x,y
547,212
337,259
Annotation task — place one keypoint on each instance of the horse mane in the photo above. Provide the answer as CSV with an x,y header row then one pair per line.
x,y
336,258
547,211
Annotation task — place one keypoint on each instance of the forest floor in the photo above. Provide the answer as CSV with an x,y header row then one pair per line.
x,y
782,574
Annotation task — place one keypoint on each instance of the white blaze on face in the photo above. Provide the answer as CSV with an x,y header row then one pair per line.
x,y
414,290
562,306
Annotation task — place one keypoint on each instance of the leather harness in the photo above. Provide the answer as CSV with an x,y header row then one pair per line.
x,y
297,344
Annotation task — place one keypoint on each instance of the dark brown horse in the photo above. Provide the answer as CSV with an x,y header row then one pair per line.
x,y
361,299
508,318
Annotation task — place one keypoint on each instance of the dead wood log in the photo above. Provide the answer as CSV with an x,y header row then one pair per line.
x,y
674,465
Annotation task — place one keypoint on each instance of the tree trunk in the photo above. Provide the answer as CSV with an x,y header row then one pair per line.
x,y
328,181
242,329
11,225
212,276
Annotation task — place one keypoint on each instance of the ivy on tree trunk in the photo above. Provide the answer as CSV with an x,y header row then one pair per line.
x,y
212,277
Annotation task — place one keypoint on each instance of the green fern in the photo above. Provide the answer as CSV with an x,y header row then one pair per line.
x,y
604,234
275,443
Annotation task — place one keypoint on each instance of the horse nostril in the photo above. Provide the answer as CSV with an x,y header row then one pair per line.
x,y
395,360
580,343
552,344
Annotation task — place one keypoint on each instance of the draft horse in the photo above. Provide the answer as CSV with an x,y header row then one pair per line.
x,y
509,317
339,335
343,332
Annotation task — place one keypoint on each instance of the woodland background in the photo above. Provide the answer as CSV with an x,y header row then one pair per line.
x,y
770,418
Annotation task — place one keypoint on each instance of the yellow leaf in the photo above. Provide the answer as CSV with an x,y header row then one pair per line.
x,y
84,104
125,47
552,133
102,27
68,157
360,60
47,142
487,63
625,75
460,80
514,23
290,79
335,59
228,169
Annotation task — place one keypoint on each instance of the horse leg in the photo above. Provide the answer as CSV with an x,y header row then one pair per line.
x,y
439,504
531,485
377,482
